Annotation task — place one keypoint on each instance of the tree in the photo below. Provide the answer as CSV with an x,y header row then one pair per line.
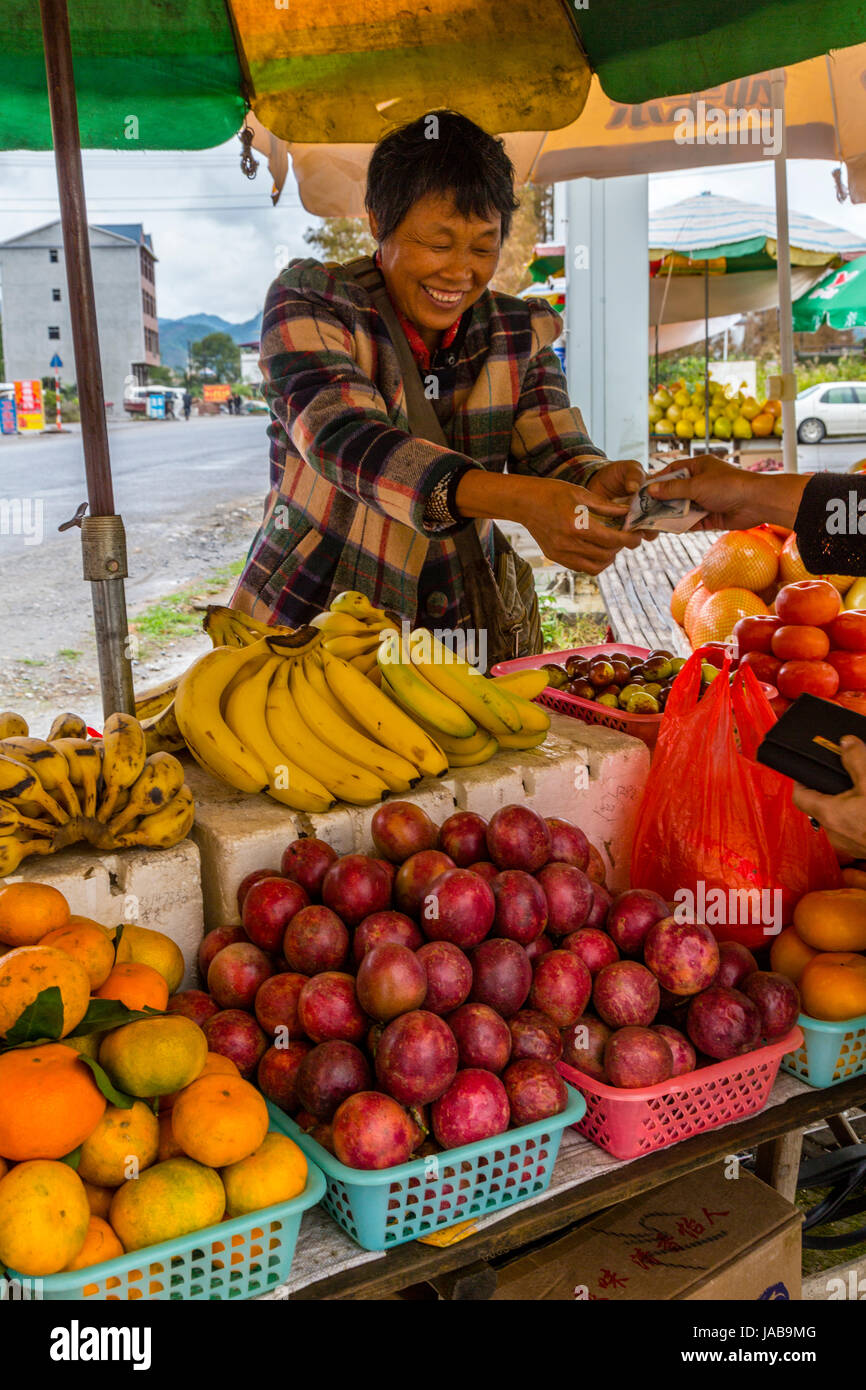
x,y
340,239
530,224
160,376
216,356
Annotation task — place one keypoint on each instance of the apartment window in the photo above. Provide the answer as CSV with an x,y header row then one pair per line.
x,y
55,295
54,332
52,256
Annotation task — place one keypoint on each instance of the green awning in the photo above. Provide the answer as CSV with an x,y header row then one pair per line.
x,y
839,300
154,74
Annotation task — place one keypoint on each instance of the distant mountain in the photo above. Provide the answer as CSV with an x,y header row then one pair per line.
x,y
174,334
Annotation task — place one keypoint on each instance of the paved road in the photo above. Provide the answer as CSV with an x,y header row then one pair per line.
x,y
835,457
190,494
161,470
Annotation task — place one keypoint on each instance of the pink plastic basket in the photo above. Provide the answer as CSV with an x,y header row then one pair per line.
x,y
630,1123
642,726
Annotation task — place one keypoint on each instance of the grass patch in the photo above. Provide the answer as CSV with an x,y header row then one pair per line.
x,y
69,653
31,661
562,631
175,616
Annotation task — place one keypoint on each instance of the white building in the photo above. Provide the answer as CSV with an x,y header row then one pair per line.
x,y
250,371
36,309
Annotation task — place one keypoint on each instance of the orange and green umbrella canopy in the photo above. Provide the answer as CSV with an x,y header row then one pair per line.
x,y
179,74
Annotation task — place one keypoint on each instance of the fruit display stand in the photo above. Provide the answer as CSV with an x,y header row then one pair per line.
x,y
160,889
328,1264
591,774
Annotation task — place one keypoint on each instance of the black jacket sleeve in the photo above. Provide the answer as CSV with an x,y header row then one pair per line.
x,y
831,524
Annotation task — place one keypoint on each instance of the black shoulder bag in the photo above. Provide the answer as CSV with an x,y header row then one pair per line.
x,y
500,600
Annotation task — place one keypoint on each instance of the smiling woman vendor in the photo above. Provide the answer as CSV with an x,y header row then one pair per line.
x,y
360,500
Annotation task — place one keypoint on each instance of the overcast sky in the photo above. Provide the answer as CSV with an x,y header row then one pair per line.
x,y
217,237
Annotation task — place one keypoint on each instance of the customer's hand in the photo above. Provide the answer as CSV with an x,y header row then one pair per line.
x,y
620,478
842,816
733,498
567,523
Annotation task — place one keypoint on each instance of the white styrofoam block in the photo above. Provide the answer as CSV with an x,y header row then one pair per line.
x,y
585,773
160,889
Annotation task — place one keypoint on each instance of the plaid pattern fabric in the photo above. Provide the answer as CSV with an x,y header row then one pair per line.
x,y
350,485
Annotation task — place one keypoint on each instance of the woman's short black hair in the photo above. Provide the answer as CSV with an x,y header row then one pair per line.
x,y
442,152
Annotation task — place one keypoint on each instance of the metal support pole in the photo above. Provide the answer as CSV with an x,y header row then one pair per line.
x,y
707,435
109,603
787,386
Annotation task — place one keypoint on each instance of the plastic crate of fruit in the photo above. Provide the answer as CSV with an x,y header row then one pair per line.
x,y
829,1052
629,1123
642,726
239,1258
388,1206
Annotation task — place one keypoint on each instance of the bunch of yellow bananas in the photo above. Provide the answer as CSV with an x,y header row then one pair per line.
x,y
68,787
470,715
349,708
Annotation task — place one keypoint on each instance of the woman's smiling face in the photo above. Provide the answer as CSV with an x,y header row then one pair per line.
x,y
437,264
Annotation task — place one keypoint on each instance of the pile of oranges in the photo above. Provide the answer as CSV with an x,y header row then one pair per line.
x,y
739,577
824,953
184,1140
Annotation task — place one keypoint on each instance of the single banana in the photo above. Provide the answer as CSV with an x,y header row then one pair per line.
x,y
375,675
246,716
490,708
418,697
13,725
207,736
348,647
161,732
13,850
316,676
346,779
366,664
154,700
381,718
534,719
160,781
12,819
123,755
473,759
526,739
527,683
67,726
340,625
84,760
49,765
298,643
357,605
318,714
163,828
448,744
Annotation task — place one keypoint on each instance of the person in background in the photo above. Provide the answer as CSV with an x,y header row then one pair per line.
x,y
187,404
827,512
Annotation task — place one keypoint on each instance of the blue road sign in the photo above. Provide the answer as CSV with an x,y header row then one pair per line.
x,y
55,361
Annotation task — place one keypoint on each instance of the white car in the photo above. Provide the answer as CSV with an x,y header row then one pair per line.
x,y
837,407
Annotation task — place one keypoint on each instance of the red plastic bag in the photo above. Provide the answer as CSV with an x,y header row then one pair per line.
x,y
718,833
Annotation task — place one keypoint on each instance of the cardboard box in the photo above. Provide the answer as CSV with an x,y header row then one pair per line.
x,y
706,1236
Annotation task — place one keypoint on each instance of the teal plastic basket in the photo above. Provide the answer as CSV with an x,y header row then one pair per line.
x,y
387,1207
236,1259
829,1052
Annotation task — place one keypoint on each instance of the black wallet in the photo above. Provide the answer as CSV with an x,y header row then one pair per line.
x,y
804,743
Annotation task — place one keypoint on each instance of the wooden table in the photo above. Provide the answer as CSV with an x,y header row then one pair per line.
x,y
637,589
775,1133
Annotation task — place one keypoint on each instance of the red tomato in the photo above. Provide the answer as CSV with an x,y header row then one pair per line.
x,y
779,704
755,634
811,601
795,642
807,678
851,667
848,631
852,699
764,665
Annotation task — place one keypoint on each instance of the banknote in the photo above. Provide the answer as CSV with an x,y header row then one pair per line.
x,y
648,513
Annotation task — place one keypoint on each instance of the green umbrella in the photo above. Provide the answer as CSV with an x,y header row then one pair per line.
x,y
839,300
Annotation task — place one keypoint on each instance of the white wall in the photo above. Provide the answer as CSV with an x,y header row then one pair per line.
x,y
604,224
